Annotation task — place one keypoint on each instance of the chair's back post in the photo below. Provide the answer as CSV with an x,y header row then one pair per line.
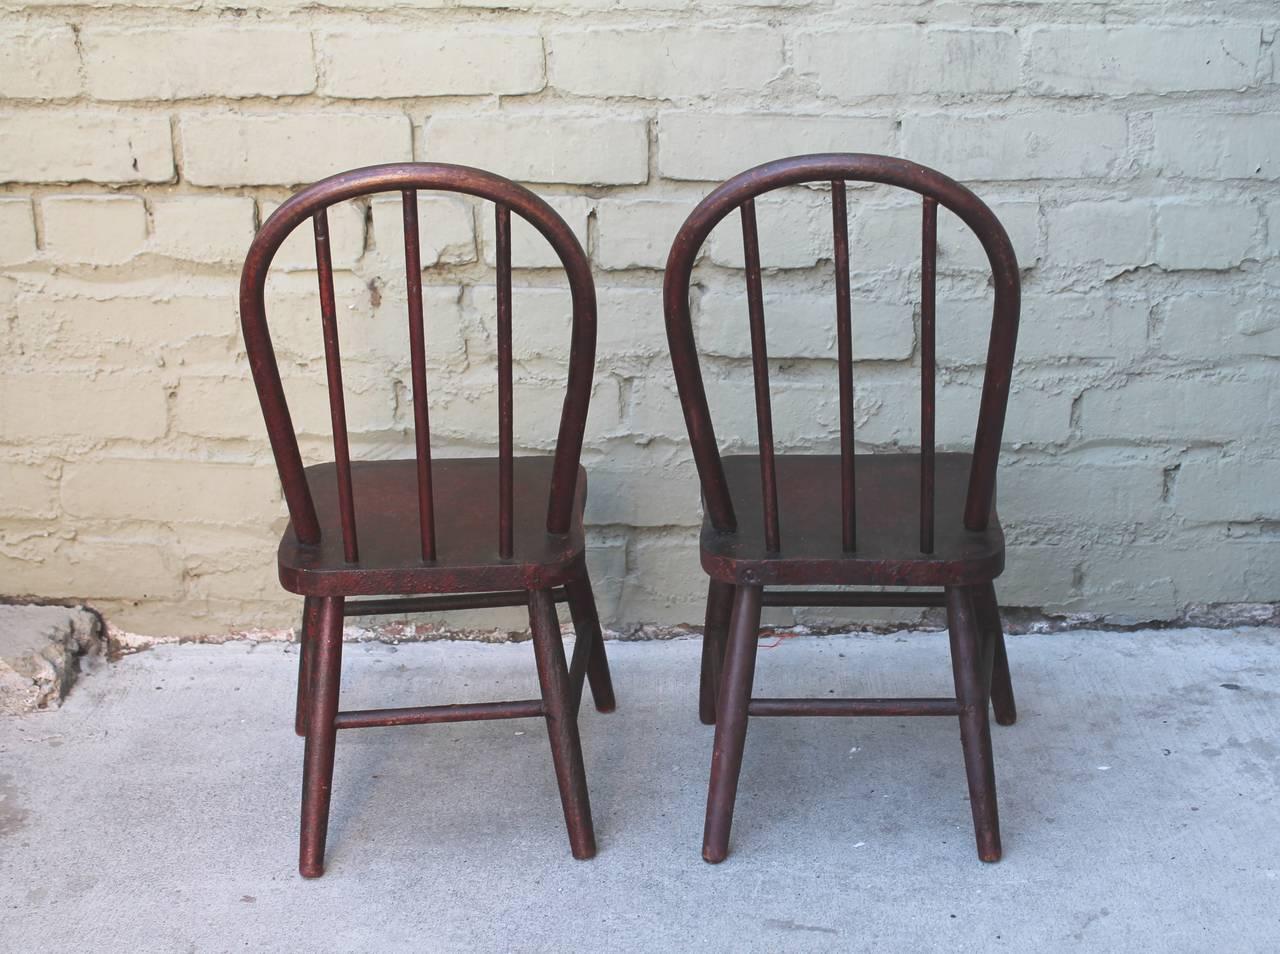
x,y
844,357
760,372
333,373
928,366
505,490
418,369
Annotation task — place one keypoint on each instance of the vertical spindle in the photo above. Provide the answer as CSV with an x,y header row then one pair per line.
x,y
418,362
928,369
337,400
844,335
760,372
505,504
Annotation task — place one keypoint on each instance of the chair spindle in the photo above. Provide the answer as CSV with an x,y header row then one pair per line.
x,y
417,350
333,372
928,283
760,371
505,504
844,333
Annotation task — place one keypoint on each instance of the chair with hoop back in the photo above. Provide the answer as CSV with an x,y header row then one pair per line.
x,y
420,534
880,520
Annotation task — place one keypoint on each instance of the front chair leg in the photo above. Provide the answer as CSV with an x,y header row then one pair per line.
x,y
716,628
322,733
588,648
971,661
306,639
1001,684
731,721
562,722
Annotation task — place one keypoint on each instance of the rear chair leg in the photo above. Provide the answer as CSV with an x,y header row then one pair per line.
x,y
306,640
719,606
590,641
971,661
731,721
1001,684
562,723
322,732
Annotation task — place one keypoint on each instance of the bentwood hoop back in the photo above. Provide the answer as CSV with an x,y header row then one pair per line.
x,y
903,519
427,534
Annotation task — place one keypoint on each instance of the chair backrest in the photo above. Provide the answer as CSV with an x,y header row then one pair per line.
x,y
407,178
936,189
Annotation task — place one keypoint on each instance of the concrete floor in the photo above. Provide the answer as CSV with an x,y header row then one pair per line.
x,y
157,810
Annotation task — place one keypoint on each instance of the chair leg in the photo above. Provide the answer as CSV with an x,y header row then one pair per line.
x,y
971,660
1001,684
322,732
588,648
562,723
719,606
306,641
731,721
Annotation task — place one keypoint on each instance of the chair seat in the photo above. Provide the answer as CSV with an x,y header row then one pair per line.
x,y
888,525
466,511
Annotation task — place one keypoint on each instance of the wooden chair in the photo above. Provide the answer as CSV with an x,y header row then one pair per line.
x,y
432,534
921,520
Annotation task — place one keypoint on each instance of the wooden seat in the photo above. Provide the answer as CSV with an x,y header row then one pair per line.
x,y
426,534
888,554
385,490
865,520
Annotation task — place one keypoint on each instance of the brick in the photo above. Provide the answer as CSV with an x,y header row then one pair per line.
x,y
1107,232
193,62
446,230
528,247
1199,326
1152,410
228,408
1229,488
469,415
708,147
887,411
664,579
171,491
17,231
1034,145
794,229
99,230
897,60
74,145
544,148
222,149
1239,146
39,63
636,233
211,229
1122,61
420,62
36,407
888,236
346,239
227,564
802,325
1204,234
628,323
89,568
122,322
1091,487
372,321
30,492
642,486
665,63
1061,327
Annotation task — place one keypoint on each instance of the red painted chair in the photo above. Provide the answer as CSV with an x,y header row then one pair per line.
x,y
920,520
432,534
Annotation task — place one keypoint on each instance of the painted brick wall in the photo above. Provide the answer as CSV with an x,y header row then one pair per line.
x,y
1135,163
